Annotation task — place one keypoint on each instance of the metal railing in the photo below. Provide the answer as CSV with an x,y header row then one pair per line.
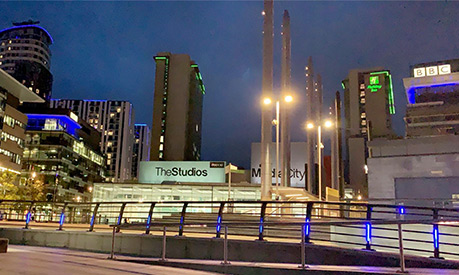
x,y
303,230
351,225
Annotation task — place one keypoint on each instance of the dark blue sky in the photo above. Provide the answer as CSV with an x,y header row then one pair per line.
x,y
103,50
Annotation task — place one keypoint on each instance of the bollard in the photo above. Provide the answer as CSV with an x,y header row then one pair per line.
x,y
225,248
112,252
400,245
163,254
303,248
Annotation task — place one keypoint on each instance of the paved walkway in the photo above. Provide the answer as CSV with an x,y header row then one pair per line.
x,y
276,268
43,261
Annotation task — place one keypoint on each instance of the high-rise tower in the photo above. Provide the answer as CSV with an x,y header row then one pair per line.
x,y
285,110
267,91
25,55
177,109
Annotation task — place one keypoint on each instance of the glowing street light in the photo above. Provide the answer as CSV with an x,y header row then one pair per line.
x,y
309,126
276,122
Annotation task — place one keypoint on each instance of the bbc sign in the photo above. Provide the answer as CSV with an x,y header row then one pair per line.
x,y
432,70
182,171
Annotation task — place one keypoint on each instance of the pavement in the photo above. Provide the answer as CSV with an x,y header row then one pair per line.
x,y
43,260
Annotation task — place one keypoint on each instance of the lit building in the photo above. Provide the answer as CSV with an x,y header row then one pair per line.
x,y
141,147
177,109
433,99
115,120
13,122
62,150
368,106
25,54
423,168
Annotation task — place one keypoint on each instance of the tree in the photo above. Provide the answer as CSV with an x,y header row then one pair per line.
x,y
8,188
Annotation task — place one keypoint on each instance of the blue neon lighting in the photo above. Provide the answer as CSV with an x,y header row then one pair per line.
x,y
92,220
28,216
402,210
148,221
368,232
307,228
140,124
260,229
411,93
219,220
436,237
119,219
62,219
66,122
181,223
28,26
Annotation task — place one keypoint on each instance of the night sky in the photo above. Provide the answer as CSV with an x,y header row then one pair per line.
x,y
103,50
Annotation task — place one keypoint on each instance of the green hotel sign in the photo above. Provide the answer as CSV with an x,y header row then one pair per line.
x,y
374,85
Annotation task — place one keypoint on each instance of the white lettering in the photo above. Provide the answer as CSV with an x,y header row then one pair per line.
x,y
432,70
419,72
444,69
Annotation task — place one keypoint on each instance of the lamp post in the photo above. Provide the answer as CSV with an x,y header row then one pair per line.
x,y
276,122
310,126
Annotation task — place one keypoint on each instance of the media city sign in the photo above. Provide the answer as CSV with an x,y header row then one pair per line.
x,y
181,171
297,164
432,70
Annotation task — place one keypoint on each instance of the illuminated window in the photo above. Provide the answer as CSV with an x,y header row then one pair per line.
x,y
363,115
161,139
161,147
118,110
112,114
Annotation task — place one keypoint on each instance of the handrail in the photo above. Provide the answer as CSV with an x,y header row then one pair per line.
x,y
245,202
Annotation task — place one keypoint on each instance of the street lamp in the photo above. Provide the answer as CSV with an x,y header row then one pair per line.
x,y
309,126
276,122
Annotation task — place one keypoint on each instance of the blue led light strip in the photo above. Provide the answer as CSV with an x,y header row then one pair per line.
x,y
436,237
368,232
62,219
28,26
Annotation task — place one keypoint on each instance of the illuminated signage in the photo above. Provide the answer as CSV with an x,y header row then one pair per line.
x,y
432,70
374,85
297,164
182,171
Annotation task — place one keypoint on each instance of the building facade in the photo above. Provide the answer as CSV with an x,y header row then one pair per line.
x,y
13,122
177,109
368,106
62,150
25,54
141,147
432,92
115,120
414,171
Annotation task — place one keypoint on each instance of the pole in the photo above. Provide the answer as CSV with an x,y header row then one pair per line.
x,y
267,91
225,247
319,155
400,245
163,254
303,248
112,252
229,182
277,148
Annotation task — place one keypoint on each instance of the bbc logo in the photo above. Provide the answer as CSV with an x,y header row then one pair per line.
x,y
432,70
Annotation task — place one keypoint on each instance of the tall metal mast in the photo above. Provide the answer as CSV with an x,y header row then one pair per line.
x,y
285,111
267,91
